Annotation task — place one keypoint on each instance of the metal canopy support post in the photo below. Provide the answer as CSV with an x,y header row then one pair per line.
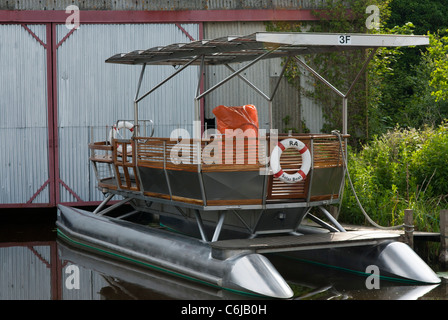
x,y
344,115
280,78
328,84
197,132
197,104
261,93
136,131
137,100
136,126
338,92
318,76
364,66
253,86
344,99
197,123
168,78
264,55
140,81
201,75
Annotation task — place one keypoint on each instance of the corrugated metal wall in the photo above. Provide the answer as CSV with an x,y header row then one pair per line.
x,y
29,272
93,93
263,74
24,275
23,114
312,115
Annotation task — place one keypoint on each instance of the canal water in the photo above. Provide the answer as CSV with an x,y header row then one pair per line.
x,y
35,265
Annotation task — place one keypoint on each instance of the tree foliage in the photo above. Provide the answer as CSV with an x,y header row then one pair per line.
x,y
438,61
412,96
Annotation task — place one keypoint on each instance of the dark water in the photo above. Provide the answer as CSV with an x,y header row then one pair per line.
x,y
35,265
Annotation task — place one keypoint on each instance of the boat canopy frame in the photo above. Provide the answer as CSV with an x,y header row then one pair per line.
x,y
253,48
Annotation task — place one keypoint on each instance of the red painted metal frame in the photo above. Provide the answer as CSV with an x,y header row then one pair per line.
x,y
52,130
185,32
54,101
175,16
53,17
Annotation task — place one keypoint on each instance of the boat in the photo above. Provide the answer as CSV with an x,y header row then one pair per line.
x,y
226,198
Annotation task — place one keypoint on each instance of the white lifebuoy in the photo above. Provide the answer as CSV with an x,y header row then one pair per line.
x,y
114,132
275,160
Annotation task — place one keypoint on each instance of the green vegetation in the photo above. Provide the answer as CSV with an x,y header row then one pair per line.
x,y
401,169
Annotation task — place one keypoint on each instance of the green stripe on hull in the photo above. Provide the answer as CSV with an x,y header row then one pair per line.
x,y
154,267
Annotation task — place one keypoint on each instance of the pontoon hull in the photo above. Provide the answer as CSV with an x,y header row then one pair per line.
x,y
390,261
395,260
177,255
246,272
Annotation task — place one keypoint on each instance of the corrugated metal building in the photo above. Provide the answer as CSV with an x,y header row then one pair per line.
x,y
94,94
55,86
37,271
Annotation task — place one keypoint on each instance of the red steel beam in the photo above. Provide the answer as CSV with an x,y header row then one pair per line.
x,y
179,16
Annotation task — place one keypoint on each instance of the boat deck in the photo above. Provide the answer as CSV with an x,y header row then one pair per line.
x,y
205,173
225,248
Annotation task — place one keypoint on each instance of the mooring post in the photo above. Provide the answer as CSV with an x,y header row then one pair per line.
x,y
409,227
443,257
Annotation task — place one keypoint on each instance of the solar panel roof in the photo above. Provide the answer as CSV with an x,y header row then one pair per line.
x,y
233,49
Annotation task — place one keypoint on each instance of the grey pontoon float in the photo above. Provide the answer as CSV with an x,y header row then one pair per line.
x,y
233,200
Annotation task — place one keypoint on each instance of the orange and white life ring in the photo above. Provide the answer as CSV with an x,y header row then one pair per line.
x,y
113,133
275,160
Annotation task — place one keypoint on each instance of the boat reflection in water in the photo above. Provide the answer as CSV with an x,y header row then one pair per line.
x,y
114,279
122,280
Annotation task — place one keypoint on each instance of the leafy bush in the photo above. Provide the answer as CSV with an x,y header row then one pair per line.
x,y
402,169
429,164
